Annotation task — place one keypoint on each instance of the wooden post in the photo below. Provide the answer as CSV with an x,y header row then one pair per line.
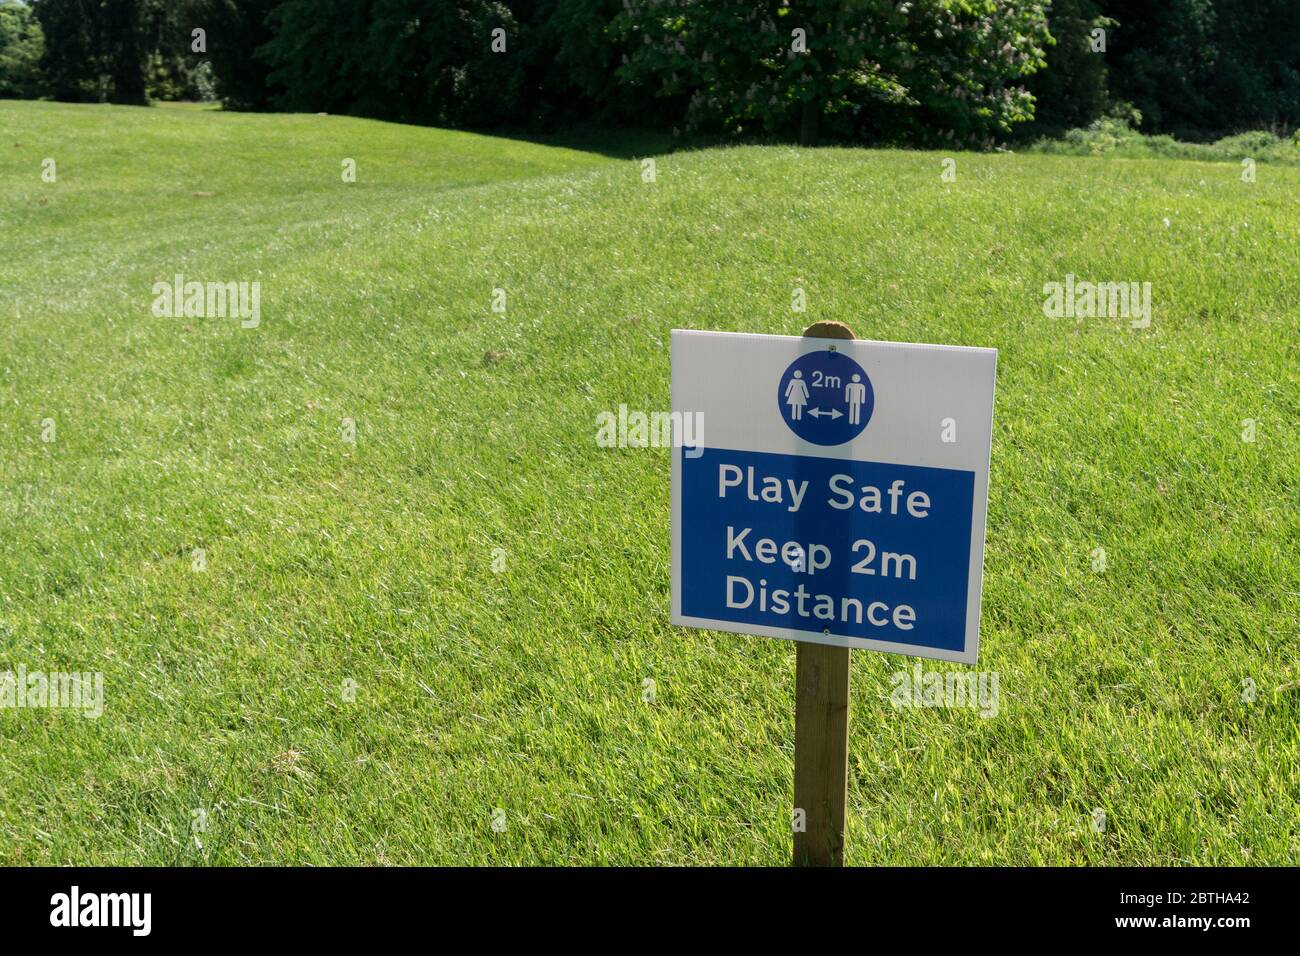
x,y
821,728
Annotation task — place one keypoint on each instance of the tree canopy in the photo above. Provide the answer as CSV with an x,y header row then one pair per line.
x,y
923,72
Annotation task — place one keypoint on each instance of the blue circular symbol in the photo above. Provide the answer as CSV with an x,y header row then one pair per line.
x,y
825,397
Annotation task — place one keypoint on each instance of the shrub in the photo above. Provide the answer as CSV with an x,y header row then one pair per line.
x,y
1113,136
936,70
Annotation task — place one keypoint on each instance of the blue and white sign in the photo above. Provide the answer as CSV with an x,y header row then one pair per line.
x,y
840,494
826,397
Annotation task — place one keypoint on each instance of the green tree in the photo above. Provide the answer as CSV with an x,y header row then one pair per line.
x,y
235,31
929,70
171,61
95,49
1071,91
71,61
21,45
573,62
1201,68
428,61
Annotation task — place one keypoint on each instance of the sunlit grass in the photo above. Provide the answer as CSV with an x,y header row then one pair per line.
x,y
522,689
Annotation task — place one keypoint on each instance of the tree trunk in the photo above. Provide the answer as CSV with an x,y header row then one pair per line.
x,y
808,124
126,27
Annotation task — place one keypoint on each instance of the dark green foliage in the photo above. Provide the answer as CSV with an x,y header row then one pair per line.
x,y
429,61
940,70
21,45
235,31
1071,91
933,70
572,63
914,72
171,64
1201,67
72,59
98,49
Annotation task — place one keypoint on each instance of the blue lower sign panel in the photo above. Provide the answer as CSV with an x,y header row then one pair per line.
x,y
853,548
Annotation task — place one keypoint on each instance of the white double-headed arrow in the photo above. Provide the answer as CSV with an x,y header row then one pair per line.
x,y
834,413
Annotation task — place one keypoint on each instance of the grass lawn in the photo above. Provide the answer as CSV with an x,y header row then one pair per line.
x,y
496,585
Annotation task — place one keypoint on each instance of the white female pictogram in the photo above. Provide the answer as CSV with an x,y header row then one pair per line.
x,y
796,396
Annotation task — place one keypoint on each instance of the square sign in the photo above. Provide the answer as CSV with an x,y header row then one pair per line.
x,y
835,491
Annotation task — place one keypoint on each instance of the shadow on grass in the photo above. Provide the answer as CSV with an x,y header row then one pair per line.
x,y
611,143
